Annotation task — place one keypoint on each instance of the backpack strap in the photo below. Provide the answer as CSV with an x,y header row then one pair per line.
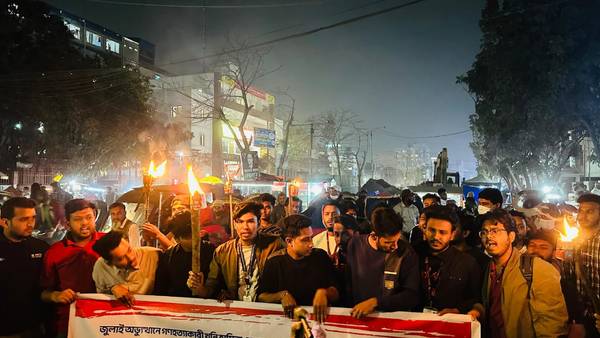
x,y
526,267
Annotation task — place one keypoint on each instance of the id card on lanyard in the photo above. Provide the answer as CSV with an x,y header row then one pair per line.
x,y
247,272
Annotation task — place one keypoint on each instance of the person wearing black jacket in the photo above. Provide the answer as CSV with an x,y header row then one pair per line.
x,y
21,309
450,279
382,268
175,263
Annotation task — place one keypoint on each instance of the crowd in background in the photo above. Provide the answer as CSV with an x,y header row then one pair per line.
x,y
504,267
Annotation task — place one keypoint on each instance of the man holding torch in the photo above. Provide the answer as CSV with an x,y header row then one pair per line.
x,y
238,263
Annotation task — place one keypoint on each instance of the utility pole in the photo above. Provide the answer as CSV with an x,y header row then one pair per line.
x,y
312,134
372,162
310,163
290,123
371,149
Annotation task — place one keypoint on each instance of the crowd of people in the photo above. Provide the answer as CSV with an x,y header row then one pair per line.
x,y
503,267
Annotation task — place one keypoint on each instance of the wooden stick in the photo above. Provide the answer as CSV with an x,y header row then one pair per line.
x,y
195,202
231,215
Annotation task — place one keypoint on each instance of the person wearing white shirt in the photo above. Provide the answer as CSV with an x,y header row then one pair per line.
x,y
326,239
407,211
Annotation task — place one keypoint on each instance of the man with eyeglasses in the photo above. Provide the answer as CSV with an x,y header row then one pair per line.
x,y
450,279
515,309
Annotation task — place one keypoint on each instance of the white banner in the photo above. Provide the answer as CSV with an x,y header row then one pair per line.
x,y
94,315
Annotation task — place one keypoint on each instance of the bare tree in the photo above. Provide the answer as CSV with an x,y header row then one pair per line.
x,y
359,154
227,96
335,129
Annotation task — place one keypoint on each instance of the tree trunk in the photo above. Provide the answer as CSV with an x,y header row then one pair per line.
x,y
283,156
339,166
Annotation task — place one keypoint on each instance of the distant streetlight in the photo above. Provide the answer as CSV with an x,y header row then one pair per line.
x,y
18,126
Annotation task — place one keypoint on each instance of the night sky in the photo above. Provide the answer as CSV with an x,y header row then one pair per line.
x,y
397,70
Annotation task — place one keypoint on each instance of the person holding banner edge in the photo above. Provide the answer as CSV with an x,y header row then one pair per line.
x,y
300,274
383,270
123,270
75,257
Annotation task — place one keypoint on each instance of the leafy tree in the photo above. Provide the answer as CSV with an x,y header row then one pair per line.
x,y
58,105
521,130
578,83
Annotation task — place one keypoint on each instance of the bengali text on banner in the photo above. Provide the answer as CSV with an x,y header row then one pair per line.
x,y
94,315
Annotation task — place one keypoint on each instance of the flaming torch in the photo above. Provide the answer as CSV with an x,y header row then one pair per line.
x,y
197,202
148,179
570,233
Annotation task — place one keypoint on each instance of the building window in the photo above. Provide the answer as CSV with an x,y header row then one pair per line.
x,y
112,46
74,29
202,140
93,39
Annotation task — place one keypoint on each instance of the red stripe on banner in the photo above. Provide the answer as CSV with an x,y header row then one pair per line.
x,y
423,327
378,327
90,308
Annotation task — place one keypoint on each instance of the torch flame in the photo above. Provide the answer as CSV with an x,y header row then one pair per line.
x,y
570,232
157,171
193,184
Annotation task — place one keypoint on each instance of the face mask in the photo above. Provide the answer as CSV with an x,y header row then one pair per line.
x,y
482,210
541,223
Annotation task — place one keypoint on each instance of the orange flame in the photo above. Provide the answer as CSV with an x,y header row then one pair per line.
x,y
159,171
570,233
193,184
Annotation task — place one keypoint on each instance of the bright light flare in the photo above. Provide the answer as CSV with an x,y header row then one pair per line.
x,y
570,233
193,185
159,171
